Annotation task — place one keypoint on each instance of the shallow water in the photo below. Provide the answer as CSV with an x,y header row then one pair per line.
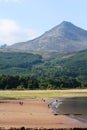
x,y
74,107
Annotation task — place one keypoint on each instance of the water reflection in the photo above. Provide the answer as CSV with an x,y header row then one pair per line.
x,y
74,107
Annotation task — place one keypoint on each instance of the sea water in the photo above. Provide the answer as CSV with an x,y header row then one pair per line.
x,y
75,107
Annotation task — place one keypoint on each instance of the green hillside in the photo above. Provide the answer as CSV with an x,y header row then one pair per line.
x,y
13,63
75,65
72,65
31,71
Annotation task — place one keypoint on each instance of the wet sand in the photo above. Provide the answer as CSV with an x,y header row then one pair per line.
x,y
34,113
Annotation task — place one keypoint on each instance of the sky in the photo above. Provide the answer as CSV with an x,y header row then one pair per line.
x,y
23,20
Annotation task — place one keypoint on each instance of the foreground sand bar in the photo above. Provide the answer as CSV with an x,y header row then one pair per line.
x,y
34,113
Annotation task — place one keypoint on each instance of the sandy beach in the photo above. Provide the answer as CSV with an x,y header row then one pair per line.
x,y
33,113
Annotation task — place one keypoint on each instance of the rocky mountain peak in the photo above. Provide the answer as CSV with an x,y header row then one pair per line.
x,y
65,37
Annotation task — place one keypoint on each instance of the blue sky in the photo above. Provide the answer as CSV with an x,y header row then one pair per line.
x,y
22,20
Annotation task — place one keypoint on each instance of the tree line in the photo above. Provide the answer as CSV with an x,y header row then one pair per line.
x,y
31,83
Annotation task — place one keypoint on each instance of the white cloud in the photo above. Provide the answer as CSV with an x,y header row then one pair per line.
x,y
8,26
11,32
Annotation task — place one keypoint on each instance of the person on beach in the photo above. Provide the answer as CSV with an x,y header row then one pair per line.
x,y
21,102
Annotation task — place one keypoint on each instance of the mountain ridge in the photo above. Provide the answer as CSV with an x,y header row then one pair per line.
x,y
65,37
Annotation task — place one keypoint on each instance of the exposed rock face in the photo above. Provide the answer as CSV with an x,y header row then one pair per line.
x,y
65,37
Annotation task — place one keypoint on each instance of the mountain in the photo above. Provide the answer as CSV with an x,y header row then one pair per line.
x,y
3,46
65,37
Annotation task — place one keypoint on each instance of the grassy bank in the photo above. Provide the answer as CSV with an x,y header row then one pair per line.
x,y
23,128
43,93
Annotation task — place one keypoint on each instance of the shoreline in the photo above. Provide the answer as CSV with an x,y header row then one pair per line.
x,y
34,113
23,128
57,102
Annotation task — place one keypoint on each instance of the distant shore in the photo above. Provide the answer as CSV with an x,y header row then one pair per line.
x,y
35,114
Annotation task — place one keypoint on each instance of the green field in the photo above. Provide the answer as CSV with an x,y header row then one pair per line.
x,y
43,93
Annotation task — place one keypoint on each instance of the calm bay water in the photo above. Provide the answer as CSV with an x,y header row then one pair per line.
x,y
74,107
